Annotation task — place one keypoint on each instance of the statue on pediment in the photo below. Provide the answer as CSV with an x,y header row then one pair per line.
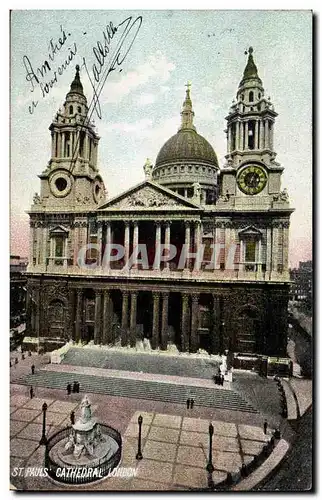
x,y
148,167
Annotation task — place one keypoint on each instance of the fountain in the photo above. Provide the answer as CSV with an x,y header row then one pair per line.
x,y
84,452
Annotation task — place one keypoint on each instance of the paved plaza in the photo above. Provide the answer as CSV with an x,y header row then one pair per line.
x,y
175,447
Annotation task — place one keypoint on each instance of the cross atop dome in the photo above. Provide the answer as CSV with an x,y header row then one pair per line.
x,y
187,113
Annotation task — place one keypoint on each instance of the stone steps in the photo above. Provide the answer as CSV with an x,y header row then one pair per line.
x,y
158,391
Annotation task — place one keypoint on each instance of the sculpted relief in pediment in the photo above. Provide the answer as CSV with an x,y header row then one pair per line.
x,y
147,197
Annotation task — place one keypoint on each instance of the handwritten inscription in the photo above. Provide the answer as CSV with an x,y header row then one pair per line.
x,y
45,76
100,69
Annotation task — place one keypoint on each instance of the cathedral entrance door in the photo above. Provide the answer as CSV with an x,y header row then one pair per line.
x,y
248,330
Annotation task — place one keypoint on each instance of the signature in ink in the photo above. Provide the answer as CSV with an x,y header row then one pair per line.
x,y
129,29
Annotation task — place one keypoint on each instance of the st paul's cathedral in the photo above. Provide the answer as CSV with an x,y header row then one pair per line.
x,y
225,286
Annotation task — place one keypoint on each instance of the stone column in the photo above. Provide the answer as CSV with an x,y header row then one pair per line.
x,y
275,238
269,249
44,244
107,318
85,155
156,320
71,143
187,243
135,239
241,136
216,325
194,322
285,248
53,144
237,136
107,263
98,317
126,241
63,145
257,135
167,241
246,136
31,243
164,321
185,322
266,144
157,245
38,237
271,138
261,135
125,317
99,241
259,256
133,319
229,143
241,255
76,243
198,243
78,317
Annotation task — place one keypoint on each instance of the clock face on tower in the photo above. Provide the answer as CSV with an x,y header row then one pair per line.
x,y
252,179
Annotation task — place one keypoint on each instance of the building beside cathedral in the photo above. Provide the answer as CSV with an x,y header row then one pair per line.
x,y
227,286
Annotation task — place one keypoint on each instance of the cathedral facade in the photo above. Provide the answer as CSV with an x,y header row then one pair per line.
x,y
196,255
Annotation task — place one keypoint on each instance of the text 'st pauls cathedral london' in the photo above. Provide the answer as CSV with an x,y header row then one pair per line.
x,y
195,256
161,251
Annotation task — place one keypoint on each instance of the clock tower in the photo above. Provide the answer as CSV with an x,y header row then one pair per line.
x,y
250,170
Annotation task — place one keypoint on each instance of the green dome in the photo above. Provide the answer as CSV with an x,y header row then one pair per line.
x,y
187,145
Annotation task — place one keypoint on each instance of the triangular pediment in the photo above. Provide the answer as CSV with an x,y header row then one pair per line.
x,y
250,231
148,195
59,230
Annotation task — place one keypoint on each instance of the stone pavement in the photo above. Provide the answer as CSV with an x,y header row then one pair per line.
x,y
175,446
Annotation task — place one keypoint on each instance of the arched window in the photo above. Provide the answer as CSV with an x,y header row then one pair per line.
x,y
79,109
71,110
251,96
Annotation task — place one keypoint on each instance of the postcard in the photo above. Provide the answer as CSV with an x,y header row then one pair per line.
x,y
161,250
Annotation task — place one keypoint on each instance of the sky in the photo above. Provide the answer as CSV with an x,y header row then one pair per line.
x,y
141,100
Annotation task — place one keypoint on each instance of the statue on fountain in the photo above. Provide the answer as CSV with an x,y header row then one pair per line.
x,y
86,434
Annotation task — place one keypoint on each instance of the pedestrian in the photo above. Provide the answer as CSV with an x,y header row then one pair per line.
x,y
72,417
74,386
69,389
16,361
192,402
29,353
22,356
265,427
77,387
243,470
31,392
188,404
32,369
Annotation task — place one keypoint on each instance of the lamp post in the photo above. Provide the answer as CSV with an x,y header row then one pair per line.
x,y
210,468
221,337
139,455
43,439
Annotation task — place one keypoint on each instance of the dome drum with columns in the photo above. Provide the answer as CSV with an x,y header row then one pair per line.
x,y
187,159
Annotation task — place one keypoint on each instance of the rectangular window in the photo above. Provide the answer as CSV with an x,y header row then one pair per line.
x,y
59,246
250,251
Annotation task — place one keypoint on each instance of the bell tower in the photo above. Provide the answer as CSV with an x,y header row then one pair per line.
x,y
250,167
71,179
